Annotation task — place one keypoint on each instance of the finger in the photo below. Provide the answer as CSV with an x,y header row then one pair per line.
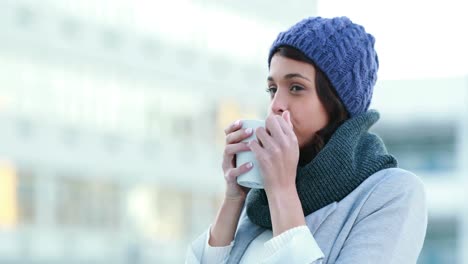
x,y
264,139
229,152
233,127
233,173
238,136
287,116
274,127
257,150
282,131
232,149
285,125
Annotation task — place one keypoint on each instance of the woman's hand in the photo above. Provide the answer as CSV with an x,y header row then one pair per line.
x,y
224,227
277,152
234,136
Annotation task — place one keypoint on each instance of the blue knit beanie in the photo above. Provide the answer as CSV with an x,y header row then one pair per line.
x,y
343,51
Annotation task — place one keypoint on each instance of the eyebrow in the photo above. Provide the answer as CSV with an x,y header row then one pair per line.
x,y
290,76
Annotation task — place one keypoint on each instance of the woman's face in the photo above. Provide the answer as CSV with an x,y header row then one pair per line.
x,y
291,85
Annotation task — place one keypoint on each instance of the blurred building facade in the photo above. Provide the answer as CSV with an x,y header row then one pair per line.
x,y
111,139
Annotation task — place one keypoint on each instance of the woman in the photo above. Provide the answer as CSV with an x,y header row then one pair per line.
x,y
332,192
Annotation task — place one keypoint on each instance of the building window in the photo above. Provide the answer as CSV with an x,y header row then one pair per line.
x,y
440,245
421,147
88,203
26,194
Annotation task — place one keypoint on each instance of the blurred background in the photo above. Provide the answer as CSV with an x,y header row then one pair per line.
x,y
112,116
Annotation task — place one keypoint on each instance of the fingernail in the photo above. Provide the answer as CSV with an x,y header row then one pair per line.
x,y
249,130
249,165
237,123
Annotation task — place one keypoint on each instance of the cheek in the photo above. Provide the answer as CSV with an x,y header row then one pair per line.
x,y
305,134
319,115
305,126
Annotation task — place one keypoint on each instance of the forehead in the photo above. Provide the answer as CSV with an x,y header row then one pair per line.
x,y
281,65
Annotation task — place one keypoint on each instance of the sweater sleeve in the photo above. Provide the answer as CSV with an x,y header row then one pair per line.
x,y
296,245
200,252
391,225
215,254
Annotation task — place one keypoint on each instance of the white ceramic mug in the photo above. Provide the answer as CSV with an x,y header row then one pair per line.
x,y
252,178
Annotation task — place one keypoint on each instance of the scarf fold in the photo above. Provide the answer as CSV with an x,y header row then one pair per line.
x,y
351,155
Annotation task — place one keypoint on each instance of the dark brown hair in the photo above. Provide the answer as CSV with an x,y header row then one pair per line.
x,y
335,109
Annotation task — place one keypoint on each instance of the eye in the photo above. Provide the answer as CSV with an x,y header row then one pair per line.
x,y
296,88
271,90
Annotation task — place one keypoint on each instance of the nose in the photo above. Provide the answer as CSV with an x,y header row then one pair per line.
x,y
279,103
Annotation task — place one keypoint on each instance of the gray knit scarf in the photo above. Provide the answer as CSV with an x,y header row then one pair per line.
x,y
351,155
